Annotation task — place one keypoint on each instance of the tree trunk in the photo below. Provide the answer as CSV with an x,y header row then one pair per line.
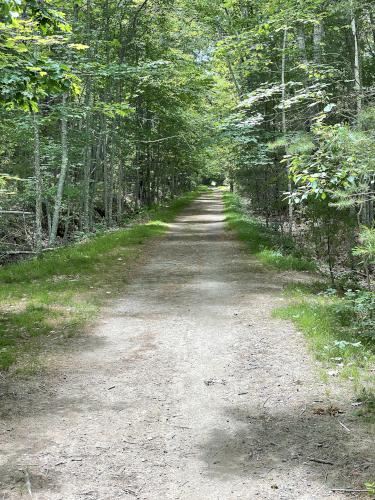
x,y
367,204
120,190
372,22
301,42
357,70
87,165
38,188
318,41
284,124
108,178
63,172
49,221
234,78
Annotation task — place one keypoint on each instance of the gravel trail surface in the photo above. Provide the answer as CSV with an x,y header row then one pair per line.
x,y
186,388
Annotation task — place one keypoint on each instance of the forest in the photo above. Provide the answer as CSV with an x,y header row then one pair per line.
x,y
109,107
116,115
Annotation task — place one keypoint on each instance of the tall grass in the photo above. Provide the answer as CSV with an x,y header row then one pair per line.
x,y
266,244
329,323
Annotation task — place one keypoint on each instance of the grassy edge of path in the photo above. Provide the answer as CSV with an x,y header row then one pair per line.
x,y
265,243
46,301
328,321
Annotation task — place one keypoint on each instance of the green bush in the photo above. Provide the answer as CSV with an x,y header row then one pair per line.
x,y
362,307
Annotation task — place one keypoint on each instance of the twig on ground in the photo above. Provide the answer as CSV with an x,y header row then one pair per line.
x,y
265,402
348,490
129,492
344,426
320,461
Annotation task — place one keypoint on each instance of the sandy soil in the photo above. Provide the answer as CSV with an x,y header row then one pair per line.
x,y
186,389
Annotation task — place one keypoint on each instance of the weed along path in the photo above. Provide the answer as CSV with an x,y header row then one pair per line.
x,y
187,388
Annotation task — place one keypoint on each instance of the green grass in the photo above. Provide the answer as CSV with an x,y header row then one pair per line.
x,y
266,244
328,322
52,298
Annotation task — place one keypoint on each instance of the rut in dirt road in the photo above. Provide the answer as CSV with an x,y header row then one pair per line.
x,y
186,389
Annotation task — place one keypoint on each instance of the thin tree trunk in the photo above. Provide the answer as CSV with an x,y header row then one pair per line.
x,y
366,209
85,220
106,174
372,22
96,178
233,77
63,172
87,165
120,191
284,124
318,41
38,188
49,221
108,179
67,223
301,42
330,260
357,70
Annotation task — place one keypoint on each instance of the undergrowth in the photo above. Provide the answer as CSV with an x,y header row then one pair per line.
x,y
332,324
54,296
269,246
339,324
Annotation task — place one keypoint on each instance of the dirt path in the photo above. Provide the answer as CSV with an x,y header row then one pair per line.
x,y
187,389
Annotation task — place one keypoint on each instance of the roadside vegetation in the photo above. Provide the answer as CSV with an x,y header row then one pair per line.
x,y
45,301
338,322
267,244
340,328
